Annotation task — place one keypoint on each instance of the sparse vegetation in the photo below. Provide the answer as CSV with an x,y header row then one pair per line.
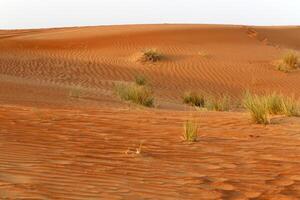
x,y
257,107
194,99
262,106
138,94
218,103
135,151
291,107
274,103
140,80
221,103
151,55
75,92
190,133
290,61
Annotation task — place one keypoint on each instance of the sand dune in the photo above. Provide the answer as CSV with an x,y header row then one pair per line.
x,y
55,146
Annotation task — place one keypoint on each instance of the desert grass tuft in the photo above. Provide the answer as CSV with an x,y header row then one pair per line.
x,y
261,106
274,103
221,103
190,133
76,92
137,94
151,55
258,108
140,80
291,107
290,61
194,99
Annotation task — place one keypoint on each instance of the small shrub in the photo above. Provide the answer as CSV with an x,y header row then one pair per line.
x,y
151,55
258,108
194,99
190,133
140,80
138,94
218,104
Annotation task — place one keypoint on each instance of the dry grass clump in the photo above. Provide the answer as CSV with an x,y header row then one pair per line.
x,y
290,61
140,80
279,104
274,103
291,107
261,107
138,94
190,133
221,103
193,99
257,106
76,92
151,55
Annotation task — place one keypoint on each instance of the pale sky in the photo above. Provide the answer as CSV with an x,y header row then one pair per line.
x,y
60,13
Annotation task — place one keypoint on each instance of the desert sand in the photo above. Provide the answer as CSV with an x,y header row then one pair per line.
x,y
56,146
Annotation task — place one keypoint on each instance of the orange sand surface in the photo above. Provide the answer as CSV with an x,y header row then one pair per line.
x,y
55,146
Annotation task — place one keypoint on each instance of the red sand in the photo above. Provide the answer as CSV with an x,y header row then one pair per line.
x,y
54,146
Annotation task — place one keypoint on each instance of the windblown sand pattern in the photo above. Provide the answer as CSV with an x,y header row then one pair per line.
x,y
65,135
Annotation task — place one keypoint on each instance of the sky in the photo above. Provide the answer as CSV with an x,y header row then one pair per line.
x,y
18,14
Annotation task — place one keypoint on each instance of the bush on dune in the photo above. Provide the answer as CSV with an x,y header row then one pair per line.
x,y
140,80
257,106
138,94
151,55
290,61
262,106
193,99
221,103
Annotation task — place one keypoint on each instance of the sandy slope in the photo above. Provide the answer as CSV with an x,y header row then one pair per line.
x,y
54,146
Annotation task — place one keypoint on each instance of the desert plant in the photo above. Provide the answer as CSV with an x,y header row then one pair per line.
x,y
218,103
274,103
138,94
190,133
194,99
75,92
290,61
258,108
290,107
140,79
151,55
